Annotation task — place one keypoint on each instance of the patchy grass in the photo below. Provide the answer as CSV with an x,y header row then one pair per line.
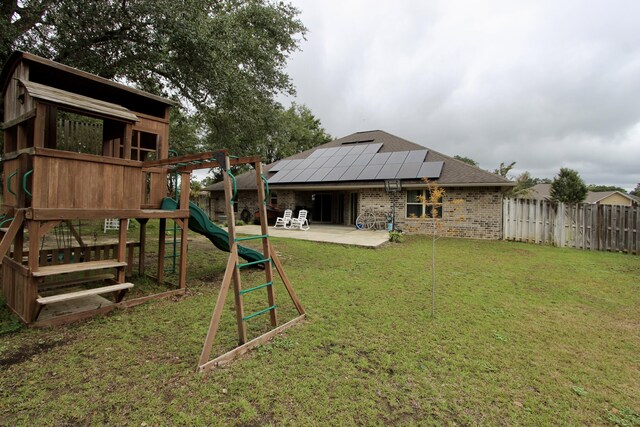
x,y
524,335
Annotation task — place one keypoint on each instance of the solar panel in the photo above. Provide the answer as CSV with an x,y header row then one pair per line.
x,y
348,160
430,170
389,171
332,161
278,166
305,175
363,159
408,170
316,153
380,159
398,157
343,151
335,173
276,177
319,175
369,172
416,156
306,163
328,152
291,175
319,162
293,164
352,173
357,149
372,148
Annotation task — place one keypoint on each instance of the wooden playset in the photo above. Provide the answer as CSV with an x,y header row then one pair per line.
x,y
120,169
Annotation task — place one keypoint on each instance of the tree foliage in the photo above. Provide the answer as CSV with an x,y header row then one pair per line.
x,y
504,169
594,187
568,187
223,60
467,160
636,191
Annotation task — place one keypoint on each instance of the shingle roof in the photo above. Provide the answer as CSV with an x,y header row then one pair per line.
x,y
454,172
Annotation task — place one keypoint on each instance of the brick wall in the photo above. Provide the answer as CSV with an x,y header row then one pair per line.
x,y
478,216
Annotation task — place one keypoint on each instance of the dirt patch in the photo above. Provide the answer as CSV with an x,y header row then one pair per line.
x,y
26,352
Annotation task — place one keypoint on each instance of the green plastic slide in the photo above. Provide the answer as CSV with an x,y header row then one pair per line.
x,y
200,223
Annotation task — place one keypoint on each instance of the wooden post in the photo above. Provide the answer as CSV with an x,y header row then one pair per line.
x,y
233,249
143,244
34,240
266,247
185,186
162,234
122,249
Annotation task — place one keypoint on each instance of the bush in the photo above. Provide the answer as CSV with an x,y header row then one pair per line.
x,y
396,236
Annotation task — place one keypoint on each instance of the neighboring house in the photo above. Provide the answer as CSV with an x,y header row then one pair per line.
x,y
543,192
339,180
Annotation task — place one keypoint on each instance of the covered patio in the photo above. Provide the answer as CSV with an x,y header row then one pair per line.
x,y
330,233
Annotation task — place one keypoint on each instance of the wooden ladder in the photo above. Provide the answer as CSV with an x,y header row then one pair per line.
x,y
232,274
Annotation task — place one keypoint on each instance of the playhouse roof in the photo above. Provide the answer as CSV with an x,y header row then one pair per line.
x,y
63,77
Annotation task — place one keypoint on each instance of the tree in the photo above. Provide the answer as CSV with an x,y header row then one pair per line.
x,y
223,59
636,191
467,160
568,187
504,169
298,130
524,182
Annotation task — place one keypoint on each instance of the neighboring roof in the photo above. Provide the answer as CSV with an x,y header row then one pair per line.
x,y
539,192
62,97
454,172
596,196
543,192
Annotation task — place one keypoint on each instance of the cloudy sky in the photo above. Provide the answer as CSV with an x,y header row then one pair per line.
x,y
548,84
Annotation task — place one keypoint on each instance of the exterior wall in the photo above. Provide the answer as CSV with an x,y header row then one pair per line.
x,y
615,199
249,199
479,216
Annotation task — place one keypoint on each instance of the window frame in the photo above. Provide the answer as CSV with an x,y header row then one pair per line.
x,y
426,209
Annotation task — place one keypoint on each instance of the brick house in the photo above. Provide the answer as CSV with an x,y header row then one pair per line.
x,y
339,180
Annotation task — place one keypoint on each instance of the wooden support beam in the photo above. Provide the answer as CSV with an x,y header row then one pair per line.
x,y
182,159
47,214
143,244
122,248
11,234
286,282
217,311
211,165
34,240
266,248
162,237
238,351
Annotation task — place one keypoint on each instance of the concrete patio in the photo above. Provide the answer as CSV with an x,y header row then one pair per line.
x,y
325,233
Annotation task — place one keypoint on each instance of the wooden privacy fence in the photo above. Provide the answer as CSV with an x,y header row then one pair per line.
x,y
582,226
205,203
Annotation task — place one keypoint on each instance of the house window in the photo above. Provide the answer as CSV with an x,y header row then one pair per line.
x,y
417,209
273,201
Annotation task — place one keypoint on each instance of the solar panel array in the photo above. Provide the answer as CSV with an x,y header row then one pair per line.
x,y
355,163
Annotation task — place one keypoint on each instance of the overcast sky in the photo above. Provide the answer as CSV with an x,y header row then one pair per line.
x,y
548,84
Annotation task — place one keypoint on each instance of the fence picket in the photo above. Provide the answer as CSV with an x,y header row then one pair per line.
x,y
583,226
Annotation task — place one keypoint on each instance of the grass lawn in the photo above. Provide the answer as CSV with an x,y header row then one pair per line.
x,y
524,335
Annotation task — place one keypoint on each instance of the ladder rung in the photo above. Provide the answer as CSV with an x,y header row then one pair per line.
x,y
240,239
247,264
257,313
244,291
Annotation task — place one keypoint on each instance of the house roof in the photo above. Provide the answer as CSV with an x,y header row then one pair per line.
x,y
543,192
596,196
453,172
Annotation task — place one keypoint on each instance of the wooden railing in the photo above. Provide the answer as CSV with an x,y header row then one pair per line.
x,y
584,226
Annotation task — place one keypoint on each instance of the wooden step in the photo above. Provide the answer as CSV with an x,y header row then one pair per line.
x,y
87,292
74,282
51,270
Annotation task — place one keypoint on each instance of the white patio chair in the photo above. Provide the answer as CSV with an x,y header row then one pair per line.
x,y
284,220
301,221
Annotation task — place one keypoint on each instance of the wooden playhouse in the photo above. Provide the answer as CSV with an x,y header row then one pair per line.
x,y
51,179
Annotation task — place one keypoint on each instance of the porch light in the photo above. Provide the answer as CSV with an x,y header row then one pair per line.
x,y
392,185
